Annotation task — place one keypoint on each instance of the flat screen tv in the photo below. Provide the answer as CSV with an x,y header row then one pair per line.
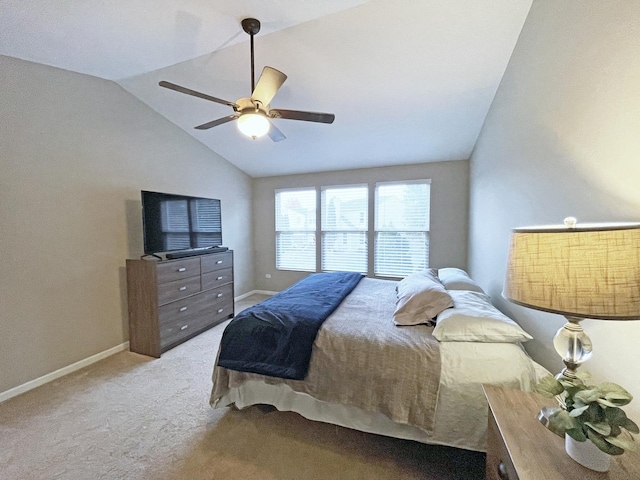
x,y
180,222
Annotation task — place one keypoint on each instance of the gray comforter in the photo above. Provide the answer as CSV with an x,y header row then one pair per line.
x,y
360,358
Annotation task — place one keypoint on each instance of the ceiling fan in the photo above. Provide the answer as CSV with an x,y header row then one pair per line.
x,y
253,114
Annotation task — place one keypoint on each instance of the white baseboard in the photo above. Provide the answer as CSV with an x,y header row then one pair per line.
x,y
49,377
256,292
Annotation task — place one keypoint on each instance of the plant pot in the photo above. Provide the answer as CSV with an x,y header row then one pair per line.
x,y
587,454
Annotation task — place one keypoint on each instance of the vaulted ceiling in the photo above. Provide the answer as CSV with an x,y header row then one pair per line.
x,y
408,81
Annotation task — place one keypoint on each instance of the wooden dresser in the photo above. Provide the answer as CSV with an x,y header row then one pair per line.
x,y
519,447
171,301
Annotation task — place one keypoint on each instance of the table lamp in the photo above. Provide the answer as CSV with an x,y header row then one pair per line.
x,y
579,271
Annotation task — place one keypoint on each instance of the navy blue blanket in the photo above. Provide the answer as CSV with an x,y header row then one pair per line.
x,y
275,337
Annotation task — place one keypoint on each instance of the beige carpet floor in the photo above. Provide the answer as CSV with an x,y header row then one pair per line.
x,y
133,417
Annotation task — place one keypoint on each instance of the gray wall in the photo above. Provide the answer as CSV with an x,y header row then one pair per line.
x,y
75,151
561,139
449,212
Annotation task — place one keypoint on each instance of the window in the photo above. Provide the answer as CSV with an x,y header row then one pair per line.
x,y
344,228
296,229
398,242
401,228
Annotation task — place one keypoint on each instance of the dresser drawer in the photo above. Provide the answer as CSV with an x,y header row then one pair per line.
x,y
178,332
210,300
178,324
223,311
223,294
215,279
223,304
177,270
185,307
180,329
216,261
172,291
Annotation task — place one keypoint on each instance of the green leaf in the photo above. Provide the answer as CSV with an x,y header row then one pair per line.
x,y
631,426
572,390
577,434
601,428
588,396
562,421
595,413
615,416
609,403
549,387
576,412
614,393
624,441
603,445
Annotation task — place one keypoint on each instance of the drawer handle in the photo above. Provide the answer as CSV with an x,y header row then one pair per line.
x,y
219,262
219,278
502,472
184,327
220,310
182,269
183,309
219,295
182,289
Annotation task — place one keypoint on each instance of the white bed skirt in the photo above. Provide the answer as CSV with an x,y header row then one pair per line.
x,y
461,413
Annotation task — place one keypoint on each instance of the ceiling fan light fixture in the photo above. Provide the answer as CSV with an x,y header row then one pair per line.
x,y
253,113
253,124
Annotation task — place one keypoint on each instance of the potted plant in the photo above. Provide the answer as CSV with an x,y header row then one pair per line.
x,y
590,412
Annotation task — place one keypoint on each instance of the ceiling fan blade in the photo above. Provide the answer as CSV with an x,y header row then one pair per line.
x,y
188,91
268,84
215,123
275,134
305,116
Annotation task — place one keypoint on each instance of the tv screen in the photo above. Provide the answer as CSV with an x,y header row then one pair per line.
x,y
179,222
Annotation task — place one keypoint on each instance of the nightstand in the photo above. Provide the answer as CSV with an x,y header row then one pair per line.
x,y
519,447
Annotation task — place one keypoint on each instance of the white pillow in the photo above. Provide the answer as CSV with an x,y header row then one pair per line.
x,y
457,279
475,319
420,298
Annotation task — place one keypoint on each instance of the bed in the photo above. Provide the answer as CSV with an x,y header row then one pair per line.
x,y
380,363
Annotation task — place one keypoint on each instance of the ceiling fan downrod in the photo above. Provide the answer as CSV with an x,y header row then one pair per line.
x,y
252,27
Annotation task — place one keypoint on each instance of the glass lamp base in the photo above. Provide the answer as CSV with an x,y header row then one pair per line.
x,y
573,345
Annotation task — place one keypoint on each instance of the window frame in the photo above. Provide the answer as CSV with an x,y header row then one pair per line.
x,y
370,232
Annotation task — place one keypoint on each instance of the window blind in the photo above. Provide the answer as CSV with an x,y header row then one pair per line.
x,y
344,219
401,227
296,229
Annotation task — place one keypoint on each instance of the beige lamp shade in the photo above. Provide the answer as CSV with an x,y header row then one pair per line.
x,y
588,271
